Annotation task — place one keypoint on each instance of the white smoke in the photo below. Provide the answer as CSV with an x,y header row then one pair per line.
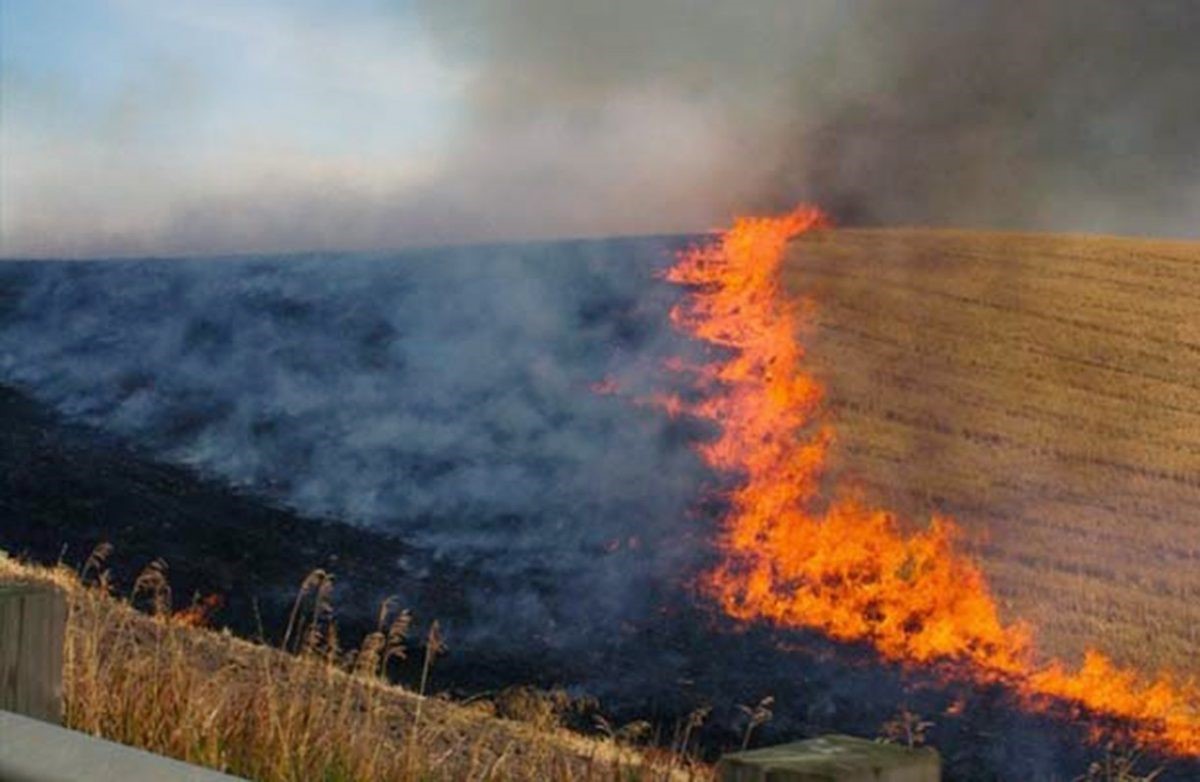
x,y
443,396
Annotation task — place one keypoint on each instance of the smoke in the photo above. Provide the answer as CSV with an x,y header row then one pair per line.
x,y
444,397
1034,115
554,119
1062,116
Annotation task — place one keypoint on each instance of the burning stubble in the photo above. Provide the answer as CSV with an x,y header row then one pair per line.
x,y
843,567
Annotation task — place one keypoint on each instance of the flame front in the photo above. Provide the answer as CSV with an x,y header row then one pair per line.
x,y
847,569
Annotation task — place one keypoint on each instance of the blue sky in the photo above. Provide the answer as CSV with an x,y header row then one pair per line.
x,y
330,83
114,110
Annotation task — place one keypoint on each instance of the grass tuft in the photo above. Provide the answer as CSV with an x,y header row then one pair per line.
x,y
160,680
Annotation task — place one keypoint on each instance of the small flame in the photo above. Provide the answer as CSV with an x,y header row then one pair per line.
x,y
850,570
200,613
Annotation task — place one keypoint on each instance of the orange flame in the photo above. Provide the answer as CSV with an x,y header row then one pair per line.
x,y
849,570
200,613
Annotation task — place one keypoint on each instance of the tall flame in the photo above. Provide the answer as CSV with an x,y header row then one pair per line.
x,y
846,569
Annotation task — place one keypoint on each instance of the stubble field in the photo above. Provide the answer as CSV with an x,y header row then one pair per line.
x,y
1043,390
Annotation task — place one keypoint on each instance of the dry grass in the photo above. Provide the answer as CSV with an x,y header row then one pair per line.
x,y
309,713
1046,391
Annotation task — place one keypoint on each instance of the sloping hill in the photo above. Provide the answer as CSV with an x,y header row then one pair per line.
x,y
165,685
1045,391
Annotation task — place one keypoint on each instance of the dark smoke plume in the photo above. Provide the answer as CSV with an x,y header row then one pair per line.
x,y
1035,115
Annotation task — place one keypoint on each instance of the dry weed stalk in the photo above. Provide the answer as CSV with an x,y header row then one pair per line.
x,y
907,728
1118,765
756,715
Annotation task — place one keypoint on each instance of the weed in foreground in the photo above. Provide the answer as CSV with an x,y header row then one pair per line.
x,y
308,710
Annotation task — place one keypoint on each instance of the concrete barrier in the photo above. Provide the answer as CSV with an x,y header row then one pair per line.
x,y
832,759
33,622
36,751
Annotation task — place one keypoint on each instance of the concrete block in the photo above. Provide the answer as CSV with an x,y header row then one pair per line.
x,y
832,759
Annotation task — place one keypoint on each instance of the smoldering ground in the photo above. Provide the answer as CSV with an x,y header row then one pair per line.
x,y
445,397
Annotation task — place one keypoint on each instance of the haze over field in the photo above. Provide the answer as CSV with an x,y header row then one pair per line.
x,y
148,128
443,396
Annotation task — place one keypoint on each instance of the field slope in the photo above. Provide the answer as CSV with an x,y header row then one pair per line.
x,y
1044,390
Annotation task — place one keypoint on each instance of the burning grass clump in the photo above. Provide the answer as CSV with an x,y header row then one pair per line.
x,y
142,674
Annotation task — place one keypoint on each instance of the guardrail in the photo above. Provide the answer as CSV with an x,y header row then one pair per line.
x,y
36,751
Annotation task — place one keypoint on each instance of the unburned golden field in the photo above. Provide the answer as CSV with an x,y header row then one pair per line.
x,y
1044,391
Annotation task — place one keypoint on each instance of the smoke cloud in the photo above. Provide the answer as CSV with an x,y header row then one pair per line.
x,y
583,119
1034,115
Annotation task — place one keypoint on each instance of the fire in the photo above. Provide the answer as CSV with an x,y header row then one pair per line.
x,y
200,613
845,568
